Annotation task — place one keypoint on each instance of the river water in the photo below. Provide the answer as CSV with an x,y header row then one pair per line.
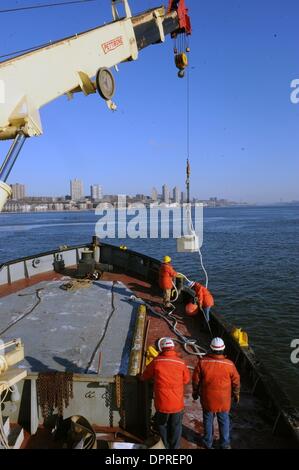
x,y
251,255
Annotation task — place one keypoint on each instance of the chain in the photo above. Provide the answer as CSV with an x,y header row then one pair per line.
x,y
123,409
120,397
54,390
108,396
118,391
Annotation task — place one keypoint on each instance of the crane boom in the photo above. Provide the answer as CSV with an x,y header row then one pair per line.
x,y
36,78
67,66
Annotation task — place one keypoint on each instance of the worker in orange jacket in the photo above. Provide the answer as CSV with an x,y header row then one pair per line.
x,y
204,298
170,374
215,380
166,277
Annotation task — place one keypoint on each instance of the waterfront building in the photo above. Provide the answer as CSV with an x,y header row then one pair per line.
x,y
96,192
154,195
165,194
18,191
176,195
77,190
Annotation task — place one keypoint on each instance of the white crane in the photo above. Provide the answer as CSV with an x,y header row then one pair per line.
x,y
31,80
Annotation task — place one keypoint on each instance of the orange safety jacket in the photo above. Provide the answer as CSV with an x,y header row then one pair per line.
x,y
170,374
215,378
166,275
204,296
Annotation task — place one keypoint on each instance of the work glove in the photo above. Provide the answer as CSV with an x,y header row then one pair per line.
x,y
237,398
195,395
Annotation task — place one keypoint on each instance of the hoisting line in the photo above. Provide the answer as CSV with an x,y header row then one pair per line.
x,y
188,176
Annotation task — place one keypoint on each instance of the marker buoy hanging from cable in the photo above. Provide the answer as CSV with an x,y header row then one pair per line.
x,y
189,243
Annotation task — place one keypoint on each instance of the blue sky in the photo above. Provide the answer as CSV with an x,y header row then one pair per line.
x,y
243,127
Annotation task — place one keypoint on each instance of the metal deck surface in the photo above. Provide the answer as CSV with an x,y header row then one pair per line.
x,y
84,331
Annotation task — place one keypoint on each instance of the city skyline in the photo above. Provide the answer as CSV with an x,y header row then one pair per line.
x,y
77,193
220,195
96,194
78,200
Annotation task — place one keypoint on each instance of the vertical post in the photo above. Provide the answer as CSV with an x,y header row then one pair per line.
x,y
126,7
33,408
12,156
137,345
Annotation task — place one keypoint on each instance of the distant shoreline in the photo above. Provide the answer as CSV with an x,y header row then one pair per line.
x,y
80,211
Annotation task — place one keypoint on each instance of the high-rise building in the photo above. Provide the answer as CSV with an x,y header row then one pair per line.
x,y
154,195
165,194
213,201
183,197
176,195
96,192
77,191
18,191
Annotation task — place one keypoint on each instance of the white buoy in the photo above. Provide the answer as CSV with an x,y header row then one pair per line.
x,y
5,193
188,243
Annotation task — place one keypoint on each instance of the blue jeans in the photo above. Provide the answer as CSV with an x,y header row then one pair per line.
x,y
224,428
170,428
207,313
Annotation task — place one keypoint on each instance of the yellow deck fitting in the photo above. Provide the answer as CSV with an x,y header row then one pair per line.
x,y
241,337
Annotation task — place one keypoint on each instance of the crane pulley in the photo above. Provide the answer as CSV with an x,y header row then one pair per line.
x,y
181,44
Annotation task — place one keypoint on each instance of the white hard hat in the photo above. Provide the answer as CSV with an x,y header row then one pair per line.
x,y
166,343
217,344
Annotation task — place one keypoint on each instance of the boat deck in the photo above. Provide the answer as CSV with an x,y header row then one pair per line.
x,y
89,330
